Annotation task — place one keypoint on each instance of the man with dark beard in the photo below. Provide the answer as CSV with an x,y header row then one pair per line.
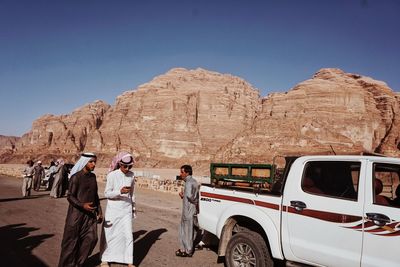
x,y
190,200
84,212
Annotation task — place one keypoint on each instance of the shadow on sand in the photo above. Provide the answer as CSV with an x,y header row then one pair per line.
x,y
141,248
23,198
143,245
17,244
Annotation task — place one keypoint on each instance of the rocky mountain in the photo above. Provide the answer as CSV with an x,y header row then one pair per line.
x,y
198,116
66,135
7,145
334,112
8,142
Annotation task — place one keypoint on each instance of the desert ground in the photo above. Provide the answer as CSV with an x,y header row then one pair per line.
x,y
31,229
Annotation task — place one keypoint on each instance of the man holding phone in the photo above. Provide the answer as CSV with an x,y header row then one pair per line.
x,y
84,212
190,199
117,245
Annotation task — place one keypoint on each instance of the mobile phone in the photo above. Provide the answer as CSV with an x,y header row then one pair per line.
x,y
127,187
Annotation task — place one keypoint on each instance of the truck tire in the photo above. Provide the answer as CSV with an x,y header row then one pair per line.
x,y
247,249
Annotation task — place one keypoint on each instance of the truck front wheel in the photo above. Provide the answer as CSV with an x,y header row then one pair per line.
x,y
247,249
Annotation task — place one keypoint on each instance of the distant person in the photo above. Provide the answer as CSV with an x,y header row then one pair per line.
x,y
84,212
190,199
55,190
117,245
38,176
308,182
50,173
63,183
379,199
27,179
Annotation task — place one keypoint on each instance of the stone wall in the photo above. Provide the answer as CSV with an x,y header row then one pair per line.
x,y
14,170
144,179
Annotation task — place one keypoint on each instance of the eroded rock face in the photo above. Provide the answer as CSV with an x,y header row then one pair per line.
x,y
198,116
334,112
184,115
64,135
8,142
7,147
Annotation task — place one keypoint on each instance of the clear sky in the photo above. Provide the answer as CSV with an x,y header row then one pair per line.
x,y
58,55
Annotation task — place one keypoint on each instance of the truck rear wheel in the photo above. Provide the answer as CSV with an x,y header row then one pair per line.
x,y
247,249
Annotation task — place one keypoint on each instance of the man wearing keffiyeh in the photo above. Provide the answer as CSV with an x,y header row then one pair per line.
x,y
117,245
84,212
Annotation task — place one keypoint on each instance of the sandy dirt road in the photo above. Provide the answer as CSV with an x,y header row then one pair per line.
x,y
31,229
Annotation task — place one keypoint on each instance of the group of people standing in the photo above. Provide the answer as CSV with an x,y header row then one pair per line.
x,y
85,212
34,175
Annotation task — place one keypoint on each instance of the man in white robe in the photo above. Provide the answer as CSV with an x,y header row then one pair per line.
x,y
119,191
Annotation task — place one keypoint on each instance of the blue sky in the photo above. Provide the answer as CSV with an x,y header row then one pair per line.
x,y
58,55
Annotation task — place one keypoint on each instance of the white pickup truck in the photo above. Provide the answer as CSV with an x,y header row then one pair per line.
x,y
321,211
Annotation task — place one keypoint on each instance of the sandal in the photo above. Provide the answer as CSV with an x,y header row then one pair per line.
x,y
180,253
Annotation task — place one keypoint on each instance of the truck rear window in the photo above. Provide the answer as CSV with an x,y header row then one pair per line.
x,y
338,179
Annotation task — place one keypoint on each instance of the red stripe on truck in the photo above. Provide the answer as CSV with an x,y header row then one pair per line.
x,y
223,197
241,200
326,216
267,205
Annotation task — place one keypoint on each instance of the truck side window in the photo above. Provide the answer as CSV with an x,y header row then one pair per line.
x,y
338,179
396,200
386,186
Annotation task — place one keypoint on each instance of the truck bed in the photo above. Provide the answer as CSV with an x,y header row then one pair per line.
x,y
256,177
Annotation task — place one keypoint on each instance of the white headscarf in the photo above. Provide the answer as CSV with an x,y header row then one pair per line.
x,y
81,163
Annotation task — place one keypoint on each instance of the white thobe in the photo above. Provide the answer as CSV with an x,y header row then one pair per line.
x,y
118,245
187,233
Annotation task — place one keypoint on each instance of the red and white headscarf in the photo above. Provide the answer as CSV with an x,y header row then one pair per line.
x,y
122,157
60,161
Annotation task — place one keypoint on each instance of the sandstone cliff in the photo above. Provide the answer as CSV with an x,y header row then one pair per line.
x,y
198,116
8,142
334,112
183,115
66,135
7,146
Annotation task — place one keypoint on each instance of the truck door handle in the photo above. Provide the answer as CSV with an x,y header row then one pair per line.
x,y
298,205
378,219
